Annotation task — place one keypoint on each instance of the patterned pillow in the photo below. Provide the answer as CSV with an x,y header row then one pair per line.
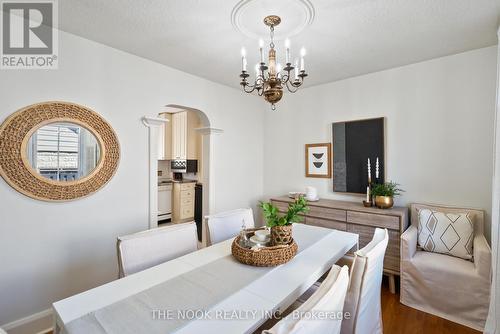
x,y
446,233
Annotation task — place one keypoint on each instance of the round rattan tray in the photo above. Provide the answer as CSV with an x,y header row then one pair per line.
x,y
266,256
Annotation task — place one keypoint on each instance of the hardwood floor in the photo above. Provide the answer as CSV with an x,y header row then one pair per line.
x,y
400,319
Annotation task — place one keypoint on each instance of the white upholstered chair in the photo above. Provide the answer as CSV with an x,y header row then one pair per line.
x,y
227,225
446,286
149,248
363,296
329,297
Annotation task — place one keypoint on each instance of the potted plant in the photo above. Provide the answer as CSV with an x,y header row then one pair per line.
x,y
281,225
384,194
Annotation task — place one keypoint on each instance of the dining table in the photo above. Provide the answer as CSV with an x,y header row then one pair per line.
x,y
207,291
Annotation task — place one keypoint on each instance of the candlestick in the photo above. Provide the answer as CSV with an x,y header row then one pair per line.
x,y
368,194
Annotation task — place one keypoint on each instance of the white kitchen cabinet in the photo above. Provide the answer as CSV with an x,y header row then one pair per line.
x,y
179,135
165,138
185,143
183,202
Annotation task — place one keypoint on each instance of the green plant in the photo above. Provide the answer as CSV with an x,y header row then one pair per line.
x,y
273,218
386,189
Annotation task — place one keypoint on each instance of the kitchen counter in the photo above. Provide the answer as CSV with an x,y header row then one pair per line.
x,y
184,181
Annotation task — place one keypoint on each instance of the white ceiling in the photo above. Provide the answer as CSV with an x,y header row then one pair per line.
x,y
343,38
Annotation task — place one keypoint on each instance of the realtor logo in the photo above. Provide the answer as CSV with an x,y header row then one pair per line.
x,y
29,34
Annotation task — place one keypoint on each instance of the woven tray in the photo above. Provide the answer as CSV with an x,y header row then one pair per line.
x,y
266,256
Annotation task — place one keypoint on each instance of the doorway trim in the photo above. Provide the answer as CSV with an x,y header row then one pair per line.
x,y
153,124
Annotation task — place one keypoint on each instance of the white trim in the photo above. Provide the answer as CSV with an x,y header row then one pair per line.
x,y
209,131
153,124
26,320
492,323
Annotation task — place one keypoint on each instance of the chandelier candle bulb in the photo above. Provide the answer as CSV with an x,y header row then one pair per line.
x,y
287,55
296,70
376,169
243,60
302,54
261,46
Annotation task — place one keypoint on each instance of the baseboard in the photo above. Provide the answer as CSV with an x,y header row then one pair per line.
x,y
39,323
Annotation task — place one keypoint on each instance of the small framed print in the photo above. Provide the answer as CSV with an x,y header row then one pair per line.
x,y
319,160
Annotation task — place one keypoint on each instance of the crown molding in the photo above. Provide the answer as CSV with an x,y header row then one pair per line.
x,y
209,131
153,121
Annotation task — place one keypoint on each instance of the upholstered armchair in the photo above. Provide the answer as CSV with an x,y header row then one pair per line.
x,y
443,285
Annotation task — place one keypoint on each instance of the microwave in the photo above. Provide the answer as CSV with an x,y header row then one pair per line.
x,y
184,166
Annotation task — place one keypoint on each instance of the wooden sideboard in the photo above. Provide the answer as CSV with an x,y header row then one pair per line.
x,y
354,217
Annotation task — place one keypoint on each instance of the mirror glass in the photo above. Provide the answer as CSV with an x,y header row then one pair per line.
x,y
63,151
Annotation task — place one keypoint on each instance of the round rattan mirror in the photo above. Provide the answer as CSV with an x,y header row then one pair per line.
x,y
57,151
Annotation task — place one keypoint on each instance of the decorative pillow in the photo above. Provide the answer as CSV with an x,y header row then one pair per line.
x,y
446,233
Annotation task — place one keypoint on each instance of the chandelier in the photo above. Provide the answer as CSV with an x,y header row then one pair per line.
x,y
270,79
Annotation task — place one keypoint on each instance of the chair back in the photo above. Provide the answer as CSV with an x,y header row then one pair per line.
x,y
475,215
227,225
147,249
363,296
322,312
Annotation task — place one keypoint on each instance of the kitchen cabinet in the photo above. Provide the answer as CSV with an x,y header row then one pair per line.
x,y
184,135
165,138
179,135
183,202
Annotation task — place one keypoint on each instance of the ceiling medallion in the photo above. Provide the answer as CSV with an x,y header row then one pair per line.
x,y
299,13
269,78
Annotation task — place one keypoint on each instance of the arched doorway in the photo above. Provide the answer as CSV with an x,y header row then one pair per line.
x,y
206,148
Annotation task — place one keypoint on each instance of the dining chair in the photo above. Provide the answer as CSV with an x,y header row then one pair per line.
x,y
149,248
322,312
363,296
227,225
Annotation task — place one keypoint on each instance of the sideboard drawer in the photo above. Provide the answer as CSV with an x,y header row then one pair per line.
x,y
282,206
334,224
335,214
390,222
391,260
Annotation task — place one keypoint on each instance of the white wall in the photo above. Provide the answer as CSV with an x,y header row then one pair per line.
x,y
49,251
439,134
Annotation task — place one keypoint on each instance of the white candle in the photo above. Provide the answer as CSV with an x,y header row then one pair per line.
x,y
243,59
376,169
287,46
296,70
278,70
261,45
368,194
369,172
257,70
302,54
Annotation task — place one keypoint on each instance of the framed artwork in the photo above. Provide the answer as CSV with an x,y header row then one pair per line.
x,y
319,160
354,142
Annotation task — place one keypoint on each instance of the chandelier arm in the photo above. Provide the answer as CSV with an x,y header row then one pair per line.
x,y
292,90
252,88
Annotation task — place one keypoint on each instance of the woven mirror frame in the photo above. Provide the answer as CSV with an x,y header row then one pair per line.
x,y
15,168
